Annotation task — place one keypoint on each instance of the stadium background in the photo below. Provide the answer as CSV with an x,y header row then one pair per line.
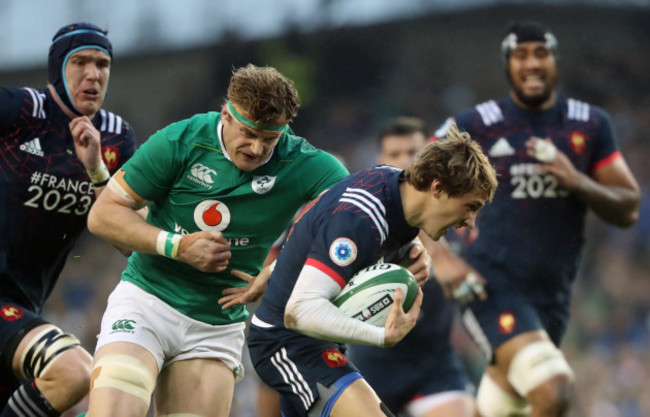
x,y
421,58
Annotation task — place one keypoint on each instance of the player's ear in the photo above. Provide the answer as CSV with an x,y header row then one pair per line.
x,y
224,113
436,189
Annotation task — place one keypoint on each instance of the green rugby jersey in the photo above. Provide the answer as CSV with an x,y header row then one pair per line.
x,y
184,172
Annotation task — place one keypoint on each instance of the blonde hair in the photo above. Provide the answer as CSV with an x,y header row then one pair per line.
x,y
264,94
457,162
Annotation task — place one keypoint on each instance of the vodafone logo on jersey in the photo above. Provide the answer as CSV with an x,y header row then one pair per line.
x,y
212,215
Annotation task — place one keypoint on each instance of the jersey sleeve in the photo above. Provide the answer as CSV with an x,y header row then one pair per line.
x,y
606,146
344,243
323,170
19,105
153,167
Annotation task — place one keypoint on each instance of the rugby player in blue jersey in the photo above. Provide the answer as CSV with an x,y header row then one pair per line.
x,y
422,375
556,158
296,335
58,149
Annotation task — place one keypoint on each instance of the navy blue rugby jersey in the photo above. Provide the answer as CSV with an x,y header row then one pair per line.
x,y
353,225
535,228
45,193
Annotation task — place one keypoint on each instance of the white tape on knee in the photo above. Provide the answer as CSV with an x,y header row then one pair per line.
x,y
492,401
536,363
44,349
125,373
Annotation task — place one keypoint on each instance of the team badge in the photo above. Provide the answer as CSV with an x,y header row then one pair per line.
x,y
263,184
334,359
578,142
111,157
507,322
11,313
343,251
212,215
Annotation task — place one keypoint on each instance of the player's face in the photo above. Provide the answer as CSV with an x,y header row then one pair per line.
x,y
400,151
248,148
533,75
442,212
86,75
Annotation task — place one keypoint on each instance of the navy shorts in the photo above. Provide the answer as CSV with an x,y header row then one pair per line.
x,y
300,368
398,381
512,309
15,322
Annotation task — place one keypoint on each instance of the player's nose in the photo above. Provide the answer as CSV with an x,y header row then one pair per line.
x,y
257,147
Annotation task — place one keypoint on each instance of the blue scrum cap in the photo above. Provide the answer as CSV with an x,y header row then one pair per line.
x,y
68,40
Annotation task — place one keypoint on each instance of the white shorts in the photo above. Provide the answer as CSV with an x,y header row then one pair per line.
x,y
135,316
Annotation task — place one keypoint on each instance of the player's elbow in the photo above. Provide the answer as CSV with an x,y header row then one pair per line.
x,y
291,316
629,220
629,217
93,221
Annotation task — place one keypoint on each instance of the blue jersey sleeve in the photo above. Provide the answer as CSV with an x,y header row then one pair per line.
x,y
344,243
605,144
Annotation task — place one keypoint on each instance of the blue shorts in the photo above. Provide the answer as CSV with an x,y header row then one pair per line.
x,y
511,309
300,368
398,381
15,322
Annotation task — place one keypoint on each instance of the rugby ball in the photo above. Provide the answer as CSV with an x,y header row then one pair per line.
x,y
368,296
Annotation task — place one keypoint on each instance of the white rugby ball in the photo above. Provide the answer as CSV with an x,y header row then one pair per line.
x,y
368,296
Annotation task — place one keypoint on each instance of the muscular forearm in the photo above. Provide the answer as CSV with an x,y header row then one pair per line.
x,y
122,226
613,204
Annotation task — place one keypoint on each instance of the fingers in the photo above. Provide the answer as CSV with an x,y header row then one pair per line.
x,y
398,297
206,251
242,275
231,300
470,290
82,130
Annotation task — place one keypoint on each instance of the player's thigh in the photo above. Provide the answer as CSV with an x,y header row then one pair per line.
x,y
446,404
122,380
357,400
201,387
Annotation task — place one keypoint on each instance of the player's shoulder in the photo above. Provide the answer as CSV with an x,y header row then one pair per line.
x,y
201,127
485,114
297,151
109,123
365,194
581,111
293,147
29,101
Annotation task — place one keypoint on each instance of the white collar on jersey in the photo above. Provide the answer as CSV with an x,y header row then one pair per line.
x,y
225,151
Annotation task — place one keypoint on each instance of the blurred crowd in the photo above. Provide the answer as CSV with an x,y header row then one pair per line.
x,y
608,341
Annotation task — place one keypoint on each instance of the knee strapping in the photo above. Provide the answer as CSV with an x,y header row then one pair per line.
x,y
493,401
44,349
125,373
535,364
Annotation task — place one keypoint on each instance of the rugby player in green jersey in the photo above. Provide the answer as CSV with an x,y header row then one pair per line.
x,y
220,188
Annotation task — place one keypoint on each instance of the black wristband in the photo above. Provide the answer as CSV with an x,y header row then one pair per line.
x,y
100,184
